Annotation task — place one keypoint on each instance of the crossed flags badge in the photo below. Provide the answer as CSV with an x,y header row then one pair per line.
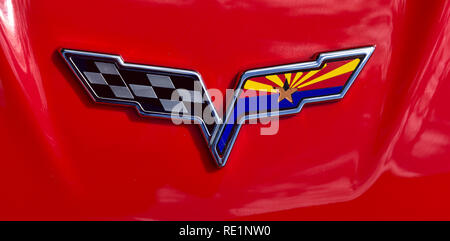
x,y
182,94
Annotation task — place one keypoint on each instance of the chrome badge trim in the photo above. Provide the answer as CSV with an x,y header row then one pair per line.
x,y
222,135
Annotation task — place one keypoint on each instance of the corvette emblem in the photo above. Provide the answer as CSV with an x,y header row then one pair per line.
x,y
181,94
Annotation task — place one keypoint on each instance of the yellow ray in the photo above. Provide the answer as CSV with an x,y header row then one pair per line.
x,y
288,77
253,85
274,78
308,75
297,76
348,67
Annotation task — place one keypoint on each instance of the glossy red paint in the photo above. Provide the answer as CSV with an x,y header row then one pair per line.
x,y
380,153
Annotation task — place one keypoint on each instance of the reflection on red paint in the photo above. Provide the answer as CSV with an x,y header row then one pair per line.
x,y
381,152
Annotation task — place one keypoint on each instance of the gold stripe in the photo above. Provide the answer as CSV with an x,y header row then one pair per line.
x,y
348,67
253,85
288,77
309,75
297,76
274,78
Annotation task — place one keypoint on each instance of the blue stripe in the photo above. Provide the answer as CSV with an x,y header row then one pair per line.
x,y
264,104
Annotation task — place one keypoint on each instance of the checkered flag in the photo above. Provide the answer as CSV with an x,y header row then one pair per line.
x,y
154,90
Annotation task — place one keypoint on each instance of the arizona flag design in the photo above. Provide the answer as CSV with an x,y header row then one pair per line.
x,y
286,91
291,87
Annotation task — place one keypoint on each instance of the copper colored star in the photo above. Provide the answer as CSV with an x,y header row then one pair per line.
x,y
285,92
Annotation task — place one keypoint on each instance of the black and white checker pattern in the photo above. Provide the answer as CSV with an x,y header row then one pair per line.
x,y
156,92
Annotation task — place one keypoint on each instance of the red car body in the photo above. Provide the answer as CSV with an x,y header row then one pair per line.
x,y
382,152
